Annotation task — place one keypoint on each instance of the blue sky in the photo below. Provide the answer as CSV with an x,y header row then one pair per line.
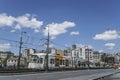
x,y
84,22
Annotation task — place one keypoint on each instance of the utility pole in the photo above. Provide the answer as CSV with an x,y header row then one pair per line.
x,y
47,50
88,60
20,47
87,49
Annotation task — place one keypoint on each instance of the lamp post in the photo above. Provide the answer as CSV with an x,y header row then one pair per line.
x,y
20,47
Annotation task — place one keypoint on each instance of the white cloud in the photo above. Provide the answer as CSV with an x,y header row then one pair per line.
x,y
110,45
6,20
17,26
25,21
5,46
101,51
80,45
74,33
107,35
56,29
12,30
28,22
51,45
90,46
36,30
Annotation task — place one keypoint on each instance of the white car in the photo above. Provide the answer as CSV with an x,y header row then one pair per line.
x,y
118,67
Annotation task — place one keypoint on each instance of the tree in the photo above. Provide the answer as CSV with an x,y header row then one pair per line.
x,y
5,62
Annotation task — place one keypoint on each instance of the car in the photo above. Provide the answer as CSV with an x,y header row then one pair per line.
x,y
118,67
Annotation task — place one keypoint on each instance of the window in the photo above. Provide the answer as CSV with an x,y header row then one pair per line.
x,y
34,60
70,62
77,54
51,61
60,62
67,63
41,60
56,62
38,61
79,63
63,62
74,53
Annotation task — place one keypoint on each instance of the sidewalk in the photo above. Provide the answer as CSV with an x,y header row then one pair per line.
x,y
92,76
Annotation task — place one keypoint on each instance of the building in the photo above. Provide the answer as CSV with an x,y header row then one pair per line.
x,y
12,62
78,56
117,59
97,56
27,53
6,54
2,62
97,59
59,59
89,57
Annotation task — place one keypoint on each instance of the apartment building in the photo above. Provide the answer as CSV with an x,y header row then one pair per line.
x,y
6,54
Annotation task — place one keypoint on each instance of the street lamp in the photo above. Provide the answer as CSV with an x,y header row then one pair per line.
x,y
20,49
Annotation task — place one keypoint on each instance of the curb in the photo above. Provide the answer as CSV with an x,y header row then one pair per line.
x,y
101,77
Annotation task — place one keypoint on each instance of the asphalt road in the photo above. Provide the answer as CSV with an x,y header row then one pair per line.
x,y
54,75
113,77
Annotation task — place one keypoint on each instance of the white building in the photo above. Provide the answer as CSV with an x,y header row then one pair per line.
x,y
78,56
97,59
12,62
82,53
96,56
28,52
89,55
37,61
117,58
6,54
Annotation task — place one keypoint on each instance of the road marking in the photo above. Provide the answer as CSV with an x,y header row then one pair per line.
x,y
5,76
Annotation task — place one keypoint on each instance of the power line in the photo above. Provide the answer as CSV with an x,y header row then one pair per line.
x,y
9,40
28,37
58,44
23,42
9,31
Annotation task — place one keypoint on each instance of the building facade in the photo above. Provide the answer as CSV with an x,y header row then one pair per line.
x,y
6,54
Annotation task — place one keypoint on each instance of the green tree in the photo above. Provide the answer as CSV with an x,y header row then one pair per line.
x,y
5,62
